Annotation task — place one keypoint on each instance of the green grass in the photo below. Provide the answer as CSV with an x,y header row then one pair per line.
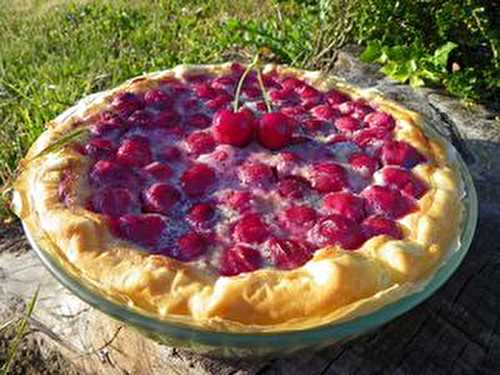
x,y
53,52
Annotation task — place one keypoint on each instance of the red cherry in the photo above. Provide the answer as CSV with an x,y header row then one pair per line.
x,y
291,83
239,259
324,112
200,143
166,119
279,95
239,200
197,179
112,174
157,98
400,153
377,225
251,229
158,170
293,111
170,153
289,254
327,177
108,123
306,92
366,137
387,202
347,124
335,97
204,90
231,128
134,152
140,119
100,148
113,201
380,120
144,230
200,213
345,204
223,82
274,131
298,219
338,230
160,198
363,164
255,173
126,102
404,180
199,121
292,187
219,102
357,109
190,246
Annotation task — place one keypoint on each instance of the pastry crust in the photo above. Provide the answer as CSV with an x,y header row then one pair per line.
x,y
335,285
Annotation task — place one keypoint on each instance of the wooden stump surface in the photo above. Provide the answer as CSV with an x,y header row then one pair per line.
x,y
457,331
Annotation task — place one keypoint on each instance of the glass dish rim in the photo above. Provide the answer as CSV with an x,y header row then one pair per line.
x,y
308,335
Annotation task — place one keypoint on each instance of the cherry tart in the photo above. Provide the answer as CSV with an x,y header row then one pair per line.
x,y
307,201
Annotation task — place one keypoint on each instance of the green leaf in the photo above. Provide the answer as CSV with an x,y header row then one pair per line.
x,y
416,81
441,55
372,52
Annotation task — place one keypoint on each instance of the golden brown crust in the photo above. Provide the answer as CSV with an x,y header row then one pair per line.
x,y
335,285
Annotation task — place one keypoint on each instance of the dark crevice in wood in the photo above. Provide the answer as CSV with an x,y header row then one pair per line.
x,y
456,138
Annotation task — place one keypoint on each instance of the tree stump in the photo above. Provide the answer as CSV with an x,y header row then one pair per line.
x,y
456,331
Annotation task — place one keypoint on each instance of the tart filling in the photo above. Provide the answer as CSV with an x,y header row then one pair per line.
x,y
195,208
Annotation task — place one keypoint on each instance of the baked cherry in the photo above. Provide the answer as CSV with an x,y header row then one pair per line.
x,y
157,99
338,230
292,187
100,148
232,128
127,102
239,259
204,90
198,120
160,198
345,204
197,179
255,174
108,123
251,229
200,213
134,152
400,153
169,153
364,164
289,254
190,246
165,119
377,225
366,137
298,219
347,124
239,200
324,112
200,143
158,171
357,109
404,181
326,177
380,120
387,202
220,102
109,173
291,83
334,97
143,229
114,201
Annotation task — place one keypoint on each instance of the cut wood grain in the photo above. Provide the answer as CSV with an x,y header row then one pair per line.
x,y
457,331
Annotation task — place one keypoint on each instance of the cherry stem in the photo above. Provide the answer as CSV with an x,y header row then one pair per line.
x,y
242,80
264,91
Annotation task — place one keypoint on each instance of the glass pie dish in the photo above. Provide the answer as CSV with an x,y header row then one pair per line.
x,y
227,344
